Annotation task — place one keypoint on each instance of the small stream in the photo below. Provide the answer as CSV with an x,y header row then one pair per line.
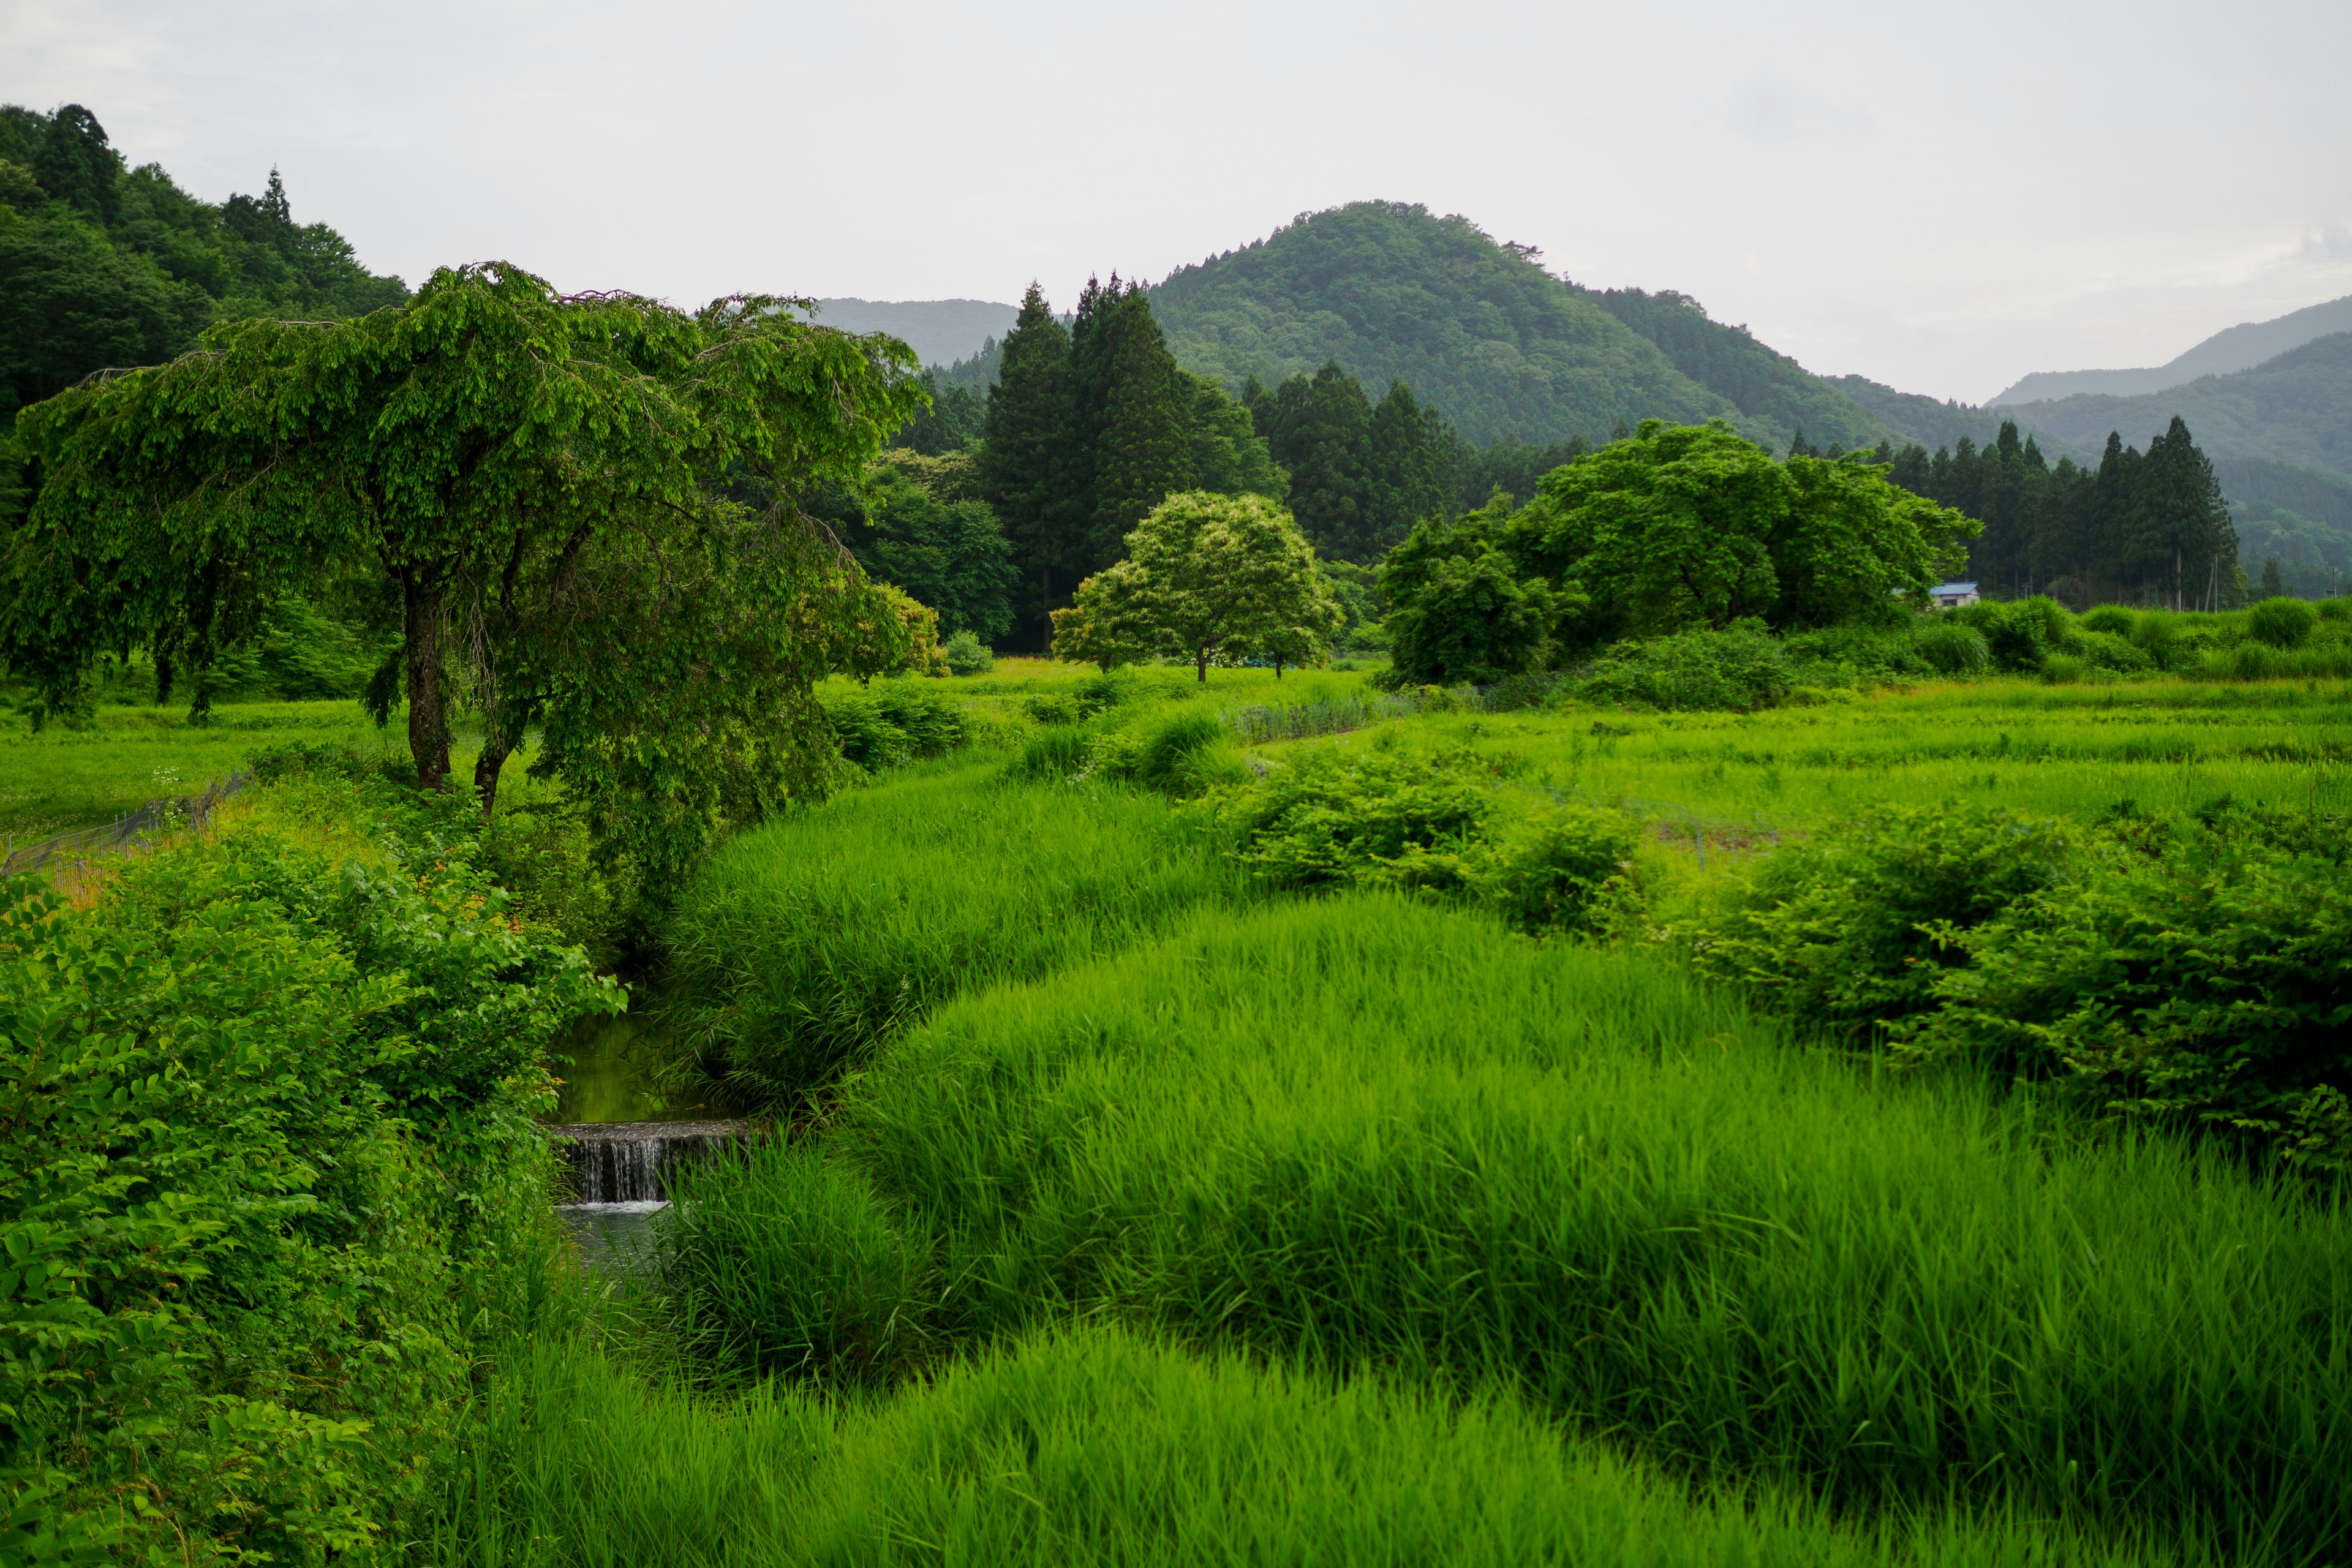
x,y
625,1134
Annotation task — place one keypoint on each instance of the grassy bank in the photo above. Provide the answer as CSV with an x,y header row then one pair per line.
x,y
1096,1446
806,941
1365,1132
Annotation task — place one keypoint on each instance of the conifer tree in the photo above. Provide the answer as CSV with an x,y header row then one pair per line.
x,y
1024,458
1410,459
75,164
1320,429
1130,447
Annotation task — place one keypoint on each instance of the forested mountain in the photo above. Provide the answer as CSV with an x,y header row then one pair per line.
x,y
1766,386
2237,348
1927,420
940,332
102,265
1392,293
2295,408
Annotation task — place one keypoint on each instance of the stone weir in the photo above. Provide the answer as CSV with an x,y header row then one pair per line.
x,y
630,1161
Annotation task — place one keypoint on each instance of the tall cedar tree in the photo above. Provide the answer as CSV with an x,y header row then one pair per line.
x,y
1132,445
1360,475
1024,462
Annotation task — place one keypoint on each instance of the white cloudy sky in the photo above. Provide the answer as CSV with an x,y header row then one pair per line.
x,y
1941,197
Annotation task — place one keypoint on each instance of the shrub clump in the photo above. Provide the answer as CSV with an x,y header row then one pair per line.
x,y
2191,970
272,1167
2281,622
1952,647
1840,930
1334,818
965,654
1741,669
894,722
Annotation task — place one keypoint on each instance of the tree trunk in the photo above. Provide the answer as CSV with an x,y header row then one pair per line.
x,y
429,722
492,758
1203,664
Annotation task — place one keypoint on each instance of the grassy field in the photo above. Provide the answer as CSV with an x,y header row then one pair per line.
x,y
1363,1131
1539,1182
1135,1213
2069,750
57,779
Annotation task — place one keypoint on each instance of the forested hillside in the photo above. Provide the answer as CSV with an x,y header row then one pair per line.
x,y
2296,409
1392,294
1766,386
102,264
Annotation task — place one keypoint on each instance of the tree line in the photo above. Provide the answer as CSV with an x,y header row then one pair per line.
x,y
2147,527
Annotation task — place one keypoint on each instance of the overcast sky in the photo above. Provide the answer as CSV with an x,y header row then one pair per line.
x,y
1939,197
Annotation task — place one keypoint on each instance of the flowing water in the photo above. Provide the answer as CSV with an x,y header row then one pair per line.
x,y
624,1133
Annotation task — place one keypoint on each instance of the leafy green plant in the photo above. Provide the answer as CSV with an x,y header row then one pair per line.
x,y
312,1082
2281,622
2209,981
1332,818
967,655
895,722
1849,928
1952,647
1742,667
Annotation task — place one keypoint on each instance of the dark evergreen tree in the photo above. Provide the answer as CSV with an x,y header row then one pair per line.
x,y
1409,460
1320,430
1132,417
75,165
1023,463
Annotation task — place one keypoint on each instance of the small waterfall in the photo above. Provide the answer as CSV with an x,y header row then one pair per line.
x,y
629,1162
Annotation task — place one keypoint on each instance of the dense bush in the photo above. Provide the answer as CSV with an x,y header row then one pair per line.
x,y
1952,647
1742,667
1332,818
1187,755
1841,930
2281,622
270,1165
967,655
2210,980
894,721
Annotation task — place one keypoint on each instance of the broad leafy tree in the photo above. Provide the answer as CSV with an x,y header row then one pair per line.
x,y
537,475
1458,608
1695,525
1206,576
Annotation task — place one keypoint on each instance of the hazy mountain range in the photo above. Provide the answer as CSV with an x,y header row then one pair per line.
x,y
2241,347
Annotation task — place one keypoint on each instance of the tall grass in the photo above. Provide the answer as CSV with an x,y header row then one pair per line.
x,y
2061,749
1098,1447
1365,1132
803,944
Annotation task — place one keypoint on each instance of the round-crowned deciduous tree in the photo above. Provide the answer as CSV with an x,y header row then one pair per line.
x,y
539,477
1695,525
1205,576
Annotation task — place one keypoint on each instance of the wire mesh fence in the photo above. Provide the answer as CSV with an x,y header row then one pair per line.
x,y
127,833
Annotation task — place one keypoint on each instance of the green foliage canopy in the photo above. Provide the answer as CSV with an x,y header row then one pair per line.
x,y
534,472
1695,525
1204,575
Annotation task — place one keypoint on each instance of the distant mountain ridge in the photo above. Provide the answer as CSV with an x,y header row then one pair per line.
x,y
2294,409
2241,347
940,332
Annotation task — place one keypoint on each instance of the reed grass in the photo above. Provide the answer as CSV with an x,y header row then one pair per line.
x,y
1094,1446
805,943
1361,1132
